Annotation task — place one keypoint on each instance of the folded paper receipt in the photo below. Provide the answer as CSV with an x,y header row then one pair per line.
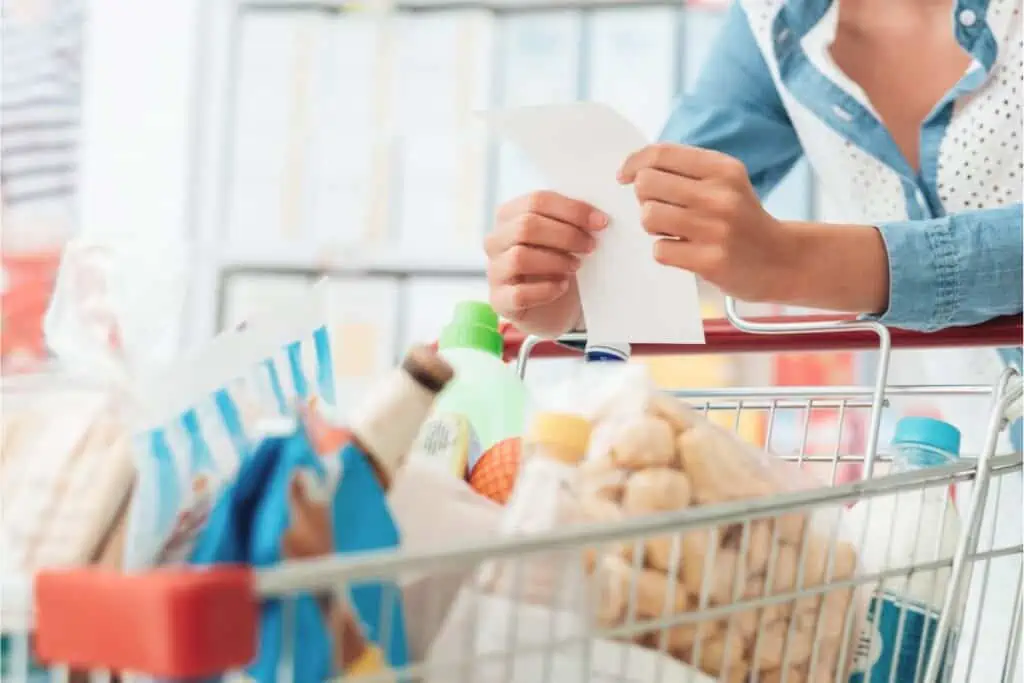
x,y
627,296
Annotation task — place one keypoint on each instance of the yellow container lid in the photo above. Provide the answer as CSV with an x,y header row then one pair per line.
x,y
566,431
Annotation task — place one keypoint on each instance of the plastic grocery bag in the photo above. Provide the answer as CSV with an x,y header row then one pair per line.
x,y
651,454
516,642
66,468
433,509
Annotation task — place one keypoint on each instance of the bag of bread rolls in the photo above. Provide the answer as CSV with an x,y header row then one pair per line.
x,y
652,454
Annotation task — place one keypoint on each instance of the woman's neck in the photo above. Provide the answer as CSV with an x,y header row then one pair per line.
x,y
869,16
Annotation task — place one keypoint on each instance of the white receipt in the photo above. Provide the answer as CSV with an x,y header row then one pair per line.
x,y
627,296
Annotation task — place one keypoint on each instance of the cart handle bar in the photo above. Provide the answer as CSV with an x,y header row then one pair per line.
x,y
722,337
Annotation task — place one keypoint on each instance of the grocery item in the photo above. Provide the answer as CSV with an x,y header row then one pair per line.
x,y
313,489
597,353
327,494
486,391
447,442
485,610
652,454
66,458
65,472
434,509
542,500
204,422
494,474
911,528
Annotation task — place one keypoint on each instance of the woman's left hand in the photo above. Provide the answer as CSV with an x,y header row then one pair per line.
x,y
703,206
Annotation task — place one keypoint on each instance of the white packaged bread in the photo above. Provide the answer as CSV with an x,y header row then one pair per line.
x,y
652,454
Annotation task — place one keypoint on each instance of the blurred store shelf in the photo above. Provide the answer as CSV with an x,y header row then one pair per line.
x,y
380,261
453,5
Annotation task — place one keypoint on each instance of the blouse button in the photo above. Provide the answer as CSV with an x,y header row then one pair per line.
x,y
968,17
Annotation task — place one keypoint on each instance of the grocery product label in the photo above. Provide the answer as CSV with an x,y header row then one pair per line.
x,y
450,443
898,635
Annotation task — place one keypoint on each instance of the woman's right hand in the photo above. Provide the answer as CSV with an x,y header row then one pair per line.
x,y
532,257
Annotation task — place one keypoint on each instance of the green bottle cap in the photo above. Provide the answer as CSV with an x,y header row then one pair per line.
x,y
474,325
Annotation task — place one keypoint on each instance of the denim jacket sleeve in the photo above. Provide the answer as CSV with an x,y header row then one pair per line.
x,y
961,269
734,108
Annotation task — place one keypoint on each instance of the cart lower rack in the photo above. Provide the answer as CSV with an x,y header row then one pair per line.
x,y
186,623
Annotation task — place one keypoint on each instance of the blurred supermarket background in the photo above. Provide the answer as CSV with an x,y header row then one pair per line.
x,y
284,141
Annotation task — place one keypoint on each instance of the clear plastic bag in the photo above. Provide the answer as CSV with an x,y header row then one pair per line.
x,y
652,454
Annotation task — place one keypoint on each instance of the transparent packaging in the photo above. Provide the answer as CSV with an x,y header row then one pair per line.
x,y
651,454
544,498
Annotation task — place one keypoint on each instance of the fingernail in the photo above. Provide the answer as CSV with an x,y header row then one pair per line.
x,y
563,285
598,220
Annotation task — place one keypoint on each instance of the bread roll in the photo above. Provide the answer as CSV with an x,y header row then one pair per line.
x,y
791,527
643,441
682,638
717,472
783,573
673,411
601,479
759,546
658,553
593,508
794,675
721,652
656,489
772,643
720,582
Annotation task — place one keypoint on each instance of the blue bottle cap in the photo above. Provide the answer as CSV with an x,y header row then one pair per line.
x,y
927,431
606,352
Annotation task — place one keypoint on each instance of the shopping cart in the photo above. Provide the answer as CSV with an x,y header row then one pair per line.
x,y
185,623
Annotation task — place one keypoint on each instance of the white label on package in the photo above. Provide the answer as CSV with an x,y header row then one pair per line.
x,y
627,296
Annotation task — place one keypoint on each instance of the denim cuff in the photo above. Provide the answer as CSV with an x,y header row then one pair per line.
x,y
923,287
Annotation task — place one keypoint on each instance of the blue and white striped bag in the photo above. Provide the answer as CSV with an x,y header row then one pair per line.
x,y
203,418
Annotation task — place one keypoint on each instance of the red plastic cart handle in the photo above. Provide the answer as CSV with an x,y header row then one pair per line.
x,y
722,337
173,623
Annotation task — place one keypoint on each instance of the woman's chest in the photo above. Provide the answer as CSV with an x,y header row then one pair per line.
x,y
903,73
969,156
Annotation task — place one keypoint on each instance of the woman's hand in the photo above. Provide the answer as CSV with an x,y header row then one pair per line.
x,y
710,219
703,206
532,257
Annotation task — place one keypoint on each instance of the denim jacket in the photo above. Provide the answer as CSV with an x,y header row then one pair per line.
x,y
770,93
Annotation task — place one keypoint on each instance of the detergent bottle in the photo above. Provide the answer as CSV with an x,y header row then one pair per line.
x,y
478,419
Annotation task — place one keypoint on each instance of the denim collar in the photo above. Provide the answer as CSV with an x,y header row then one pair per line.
x,y
841,105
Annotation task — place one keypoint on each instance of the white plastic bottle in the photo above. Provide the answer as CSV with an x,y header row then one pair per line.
x,y
903,530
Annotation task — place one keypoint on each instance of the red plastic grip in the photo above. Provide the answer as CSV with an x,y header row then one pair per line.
x,y
173,623
721,337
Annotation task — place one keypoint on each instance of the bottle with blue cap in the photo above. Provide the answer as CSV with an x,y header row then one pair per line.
x,y
603,353
903,530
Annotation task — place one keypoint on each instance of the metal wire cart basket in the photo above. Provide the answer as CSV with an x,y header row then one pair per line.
x,y
185,624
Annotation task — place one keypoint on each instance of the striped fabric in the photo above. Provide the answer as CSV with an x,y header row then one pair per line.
x,y
40,101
